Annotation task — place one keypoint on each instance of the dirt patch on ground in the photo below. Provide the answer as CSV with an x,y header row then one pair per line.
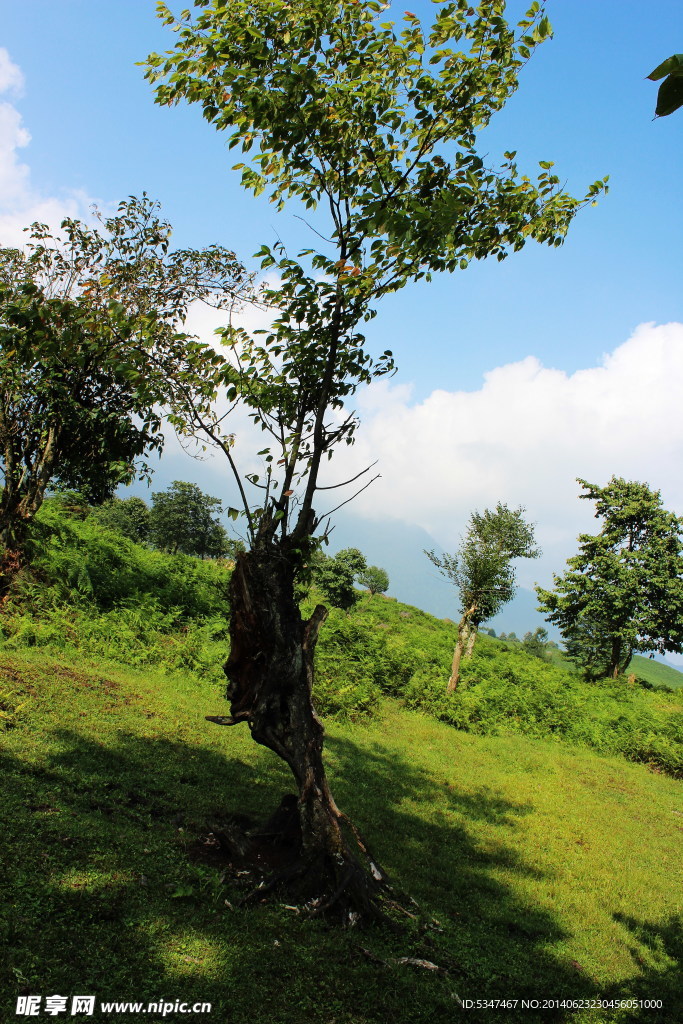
x,y
27,676
18,678
89,680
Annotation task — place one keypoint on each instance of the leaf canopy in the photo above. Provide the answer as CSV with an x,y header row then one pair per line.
x,y
623,592
335,105
482,569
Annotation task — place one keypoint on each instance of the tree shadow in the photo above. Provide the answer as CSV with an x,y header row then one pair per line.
x,y
101,896
499,943
659,972
97,839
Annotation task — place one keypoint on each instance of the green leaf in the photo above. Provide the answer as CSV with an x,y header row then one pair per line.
x,y
671,66
670,96
182,891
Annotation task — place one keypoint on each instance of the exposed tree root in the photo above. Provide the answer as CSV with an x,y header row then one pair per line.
x,y
348,888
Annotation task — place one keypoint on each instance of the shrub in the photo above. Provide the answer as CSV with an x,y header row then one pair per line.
x,y
96,590
516,693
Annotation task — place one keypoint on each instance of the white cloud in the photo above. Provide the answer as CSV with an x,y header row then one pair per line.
x,y
204,320
11,76
523,438
20,202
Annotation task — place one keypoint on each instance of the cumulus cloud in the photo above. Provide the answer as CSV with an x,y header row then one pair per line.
x,y
523,438
20,202
11,76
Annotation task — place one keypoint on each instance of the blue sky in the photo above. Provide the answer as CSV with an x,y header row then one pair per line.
x,y
583,102
514,377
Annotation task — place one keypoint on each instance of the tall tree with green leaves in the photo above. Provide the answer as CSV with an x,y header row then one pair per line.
x,y
622,594
129,516
483,573
375,579
183,518
336,576
91,345
375,129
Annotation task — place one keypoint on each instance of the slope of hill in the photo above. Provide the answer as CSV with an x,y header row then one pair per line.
x,y
542,871
647,669
93,591
656,672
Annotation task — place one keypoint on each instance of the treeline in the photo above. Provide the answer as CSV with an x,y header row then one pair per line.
x,y
180,519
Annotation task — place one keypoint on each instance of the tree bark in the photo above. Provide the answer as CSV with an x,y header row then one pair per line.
x,y
464,646
615,658
270,672
457,658
24,491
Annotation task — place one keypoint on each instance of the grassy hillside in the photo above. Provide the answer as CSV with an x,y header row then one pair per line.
x,y
655,672
546,864
385,648
542,871
647,669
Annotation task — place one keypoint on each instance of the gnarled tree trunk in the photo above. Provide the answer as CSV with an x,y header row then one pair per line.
x,y
270,673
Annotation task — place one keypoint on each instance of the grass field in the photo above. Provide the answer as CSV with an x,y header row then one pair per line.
x,y
543,871
656,672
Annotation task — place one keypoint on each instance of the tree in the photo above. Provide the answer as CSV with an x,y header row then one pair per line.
x,y
379,129
129,516
623,592
670,92
336,576
183,518
536,643
376,580
482,572
90,346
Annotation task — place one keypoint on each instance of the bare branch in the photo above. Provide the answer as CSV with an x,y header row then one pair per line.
x,y
336,509
333,487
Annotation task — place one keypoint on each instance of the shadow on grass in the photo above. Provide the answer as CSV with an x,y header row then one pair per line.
x,y
100,896
660,971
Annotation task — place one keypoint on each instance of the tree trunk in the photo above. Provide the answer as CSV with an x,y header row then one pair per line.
x,y
457,658
626,662
11,533
24,491
14,524
467,636
615,658
270,673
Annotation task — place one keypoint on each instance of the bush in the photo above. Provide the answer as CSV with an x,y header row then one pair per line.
x,y
353,667
96,590
513,692
80,562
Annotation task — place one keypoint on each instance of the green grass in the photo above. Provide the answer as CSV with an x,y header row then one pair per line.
x,y
656,672
544,866
552,871
653,672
